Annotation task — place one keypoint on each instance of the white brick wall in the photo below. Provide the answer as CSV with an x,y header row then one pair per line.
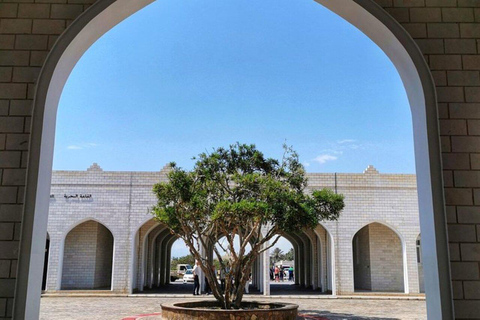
x,y
385,259
87,259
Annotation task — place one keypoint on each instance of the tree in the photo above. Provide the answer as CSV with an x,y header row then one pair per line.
x,y
289,256
276,255
238,192
188,259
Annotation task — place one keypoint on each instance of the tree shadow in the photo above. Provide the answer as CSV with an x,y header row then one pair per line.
x,y
327,315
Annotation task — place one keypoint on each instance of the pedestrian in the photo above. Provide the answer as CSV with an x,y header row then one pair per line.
x,y
208,287
290,274
247,284
280,272
196,281
222,279
277,274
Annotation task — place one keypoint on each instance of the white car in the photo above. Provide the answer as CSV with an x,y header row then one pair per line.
x,y
188,276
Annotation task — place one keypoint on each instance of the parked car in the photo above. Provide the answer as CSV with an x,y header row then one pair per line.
x,y
178,274
188,276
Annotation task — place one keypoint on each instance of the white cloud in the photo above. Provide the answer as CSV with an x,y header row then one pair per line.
x,y
345,141
306,164
91,144
323,158
82,146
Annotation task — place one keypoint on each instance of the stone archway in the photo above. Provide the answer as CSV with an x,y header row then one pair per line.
x,y
364,14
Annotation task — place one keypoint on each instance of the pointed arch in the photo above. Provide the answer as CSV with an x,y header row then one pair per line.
x,y
379,258
86,253
366,15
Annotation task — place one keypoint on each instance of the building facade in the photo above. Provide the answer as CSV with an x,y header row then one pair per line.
x,y
102,235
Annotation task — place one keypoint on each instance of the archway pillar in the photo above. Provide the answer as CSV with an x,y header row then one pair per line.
x,y
297,270
164,273
412,267
266,270
120,266
344,256
55,255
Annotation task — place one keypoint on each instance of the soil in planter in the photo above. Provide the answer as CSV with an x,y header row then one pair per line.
x,y
244,306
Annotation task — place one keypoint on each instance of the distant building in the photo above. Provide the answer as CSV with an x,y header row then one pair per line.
x,y
102,236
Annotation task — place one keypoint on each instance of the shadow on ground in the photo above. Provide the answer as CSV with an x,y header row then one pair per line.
x,y
285,288
327,315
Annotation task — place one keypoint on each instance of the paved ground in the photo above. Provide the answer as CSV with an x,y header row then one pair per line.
x,y
117,308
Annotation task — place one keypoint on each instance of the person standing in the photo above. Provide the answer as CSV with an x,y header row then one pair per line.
x,y
222,278
208,287
247,284
196,281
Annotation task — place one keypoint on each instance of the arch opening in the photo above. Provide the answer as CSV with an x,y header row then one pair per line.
x,y
88,257
378,260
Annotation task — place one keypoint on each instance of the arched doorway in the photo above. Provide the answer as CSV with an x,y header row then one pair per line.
x,y
45,264
88,257
378,259
285,257
364,14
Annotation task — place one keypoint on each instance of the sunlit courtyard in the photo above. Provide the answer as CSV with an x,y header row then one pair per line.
x,y
116,308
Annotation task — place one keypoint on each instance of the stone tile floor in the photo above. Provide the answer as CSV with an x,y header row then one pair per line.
x,y
117,308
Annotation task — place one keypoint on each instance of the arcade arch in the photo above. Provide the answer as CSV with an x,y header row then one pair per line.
x,y
153,247
364,14
313,266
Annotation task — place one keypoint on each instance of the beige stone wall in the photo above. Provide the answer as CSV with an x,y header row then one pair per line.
x,y
447,31
28,30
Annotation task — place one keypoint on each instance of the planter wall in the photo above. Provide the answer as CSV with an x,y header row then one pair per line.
x,y
204,310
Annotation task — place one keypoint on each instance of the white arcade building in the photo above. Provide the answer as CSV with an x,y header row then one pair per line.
x,y
102,236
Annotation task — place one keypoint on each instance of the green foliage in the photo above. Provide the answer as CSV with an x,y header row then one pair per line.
x,y
237,191
277,255
188,259
290,255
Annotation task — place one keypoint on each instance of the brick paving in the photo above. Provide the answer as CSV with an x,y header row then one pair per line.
x,y
117,308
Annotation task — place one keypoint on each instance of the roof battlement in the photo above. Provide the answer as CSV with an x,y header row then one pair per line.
x,y
95,167
371,170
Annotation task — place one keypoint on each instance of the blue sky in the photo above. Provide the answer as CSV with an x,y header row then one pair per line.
x,y
181,77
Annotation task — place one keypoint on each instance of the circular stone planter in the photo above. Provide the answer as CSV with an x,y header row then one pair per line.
x,y
205,310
